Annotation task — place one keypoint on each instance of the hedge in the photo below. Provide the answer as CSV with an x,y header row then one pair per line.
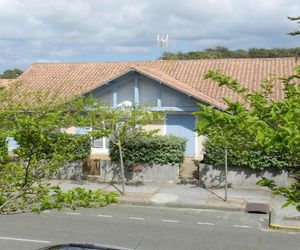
x,y
214,155
143,149
3,150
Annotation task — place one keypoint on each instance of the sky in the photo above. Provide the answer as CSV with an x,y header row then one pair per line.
x,y
34,31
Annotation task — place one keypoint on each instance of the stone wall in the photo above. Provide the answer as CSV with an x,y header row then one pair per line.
x,y
211,176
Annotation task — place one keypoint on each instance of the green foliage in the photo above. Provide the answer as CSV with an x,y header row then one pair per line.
x,y
139,148
259,123
118,124
11,74
291,193
258,127
77,197
34,121
223,52
75,147
3,150
52,197
250,158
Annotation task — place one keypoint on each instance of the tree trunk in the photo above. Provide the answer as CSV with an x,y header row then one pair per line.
x,y
122,166
226,172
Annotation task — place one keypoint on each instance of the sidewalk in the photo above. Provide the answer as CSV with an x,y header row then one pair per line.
x,y
191,196
284,218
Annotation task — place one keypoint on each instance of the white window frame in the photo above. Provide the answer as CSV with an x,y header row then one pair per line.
x,y
103,149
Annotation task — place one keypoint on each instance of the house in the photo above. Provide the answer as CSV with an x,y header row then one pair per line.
x,y
171,86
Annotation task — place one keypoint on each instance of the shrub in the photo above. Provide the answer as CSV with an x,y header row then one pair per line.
x,y
79,146
3,150
52,197
145,149
214,155
74,198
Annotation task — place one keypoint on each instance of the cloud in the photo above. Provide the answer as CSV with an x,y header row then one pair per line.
x,y
81,30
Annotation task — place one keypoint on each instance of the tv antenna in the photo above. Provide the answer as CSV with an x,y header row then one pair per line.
x,y
162,43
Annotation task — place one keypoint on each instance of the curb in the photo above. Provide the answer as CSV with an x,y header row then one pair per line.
x,y
178,205
284,228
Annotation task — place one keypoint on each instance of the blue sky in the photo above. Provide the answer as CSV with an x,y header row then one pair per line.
x,y
118,30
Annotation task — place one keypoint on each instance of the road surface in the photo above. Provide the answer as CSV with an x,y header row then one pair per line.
x,y
144,228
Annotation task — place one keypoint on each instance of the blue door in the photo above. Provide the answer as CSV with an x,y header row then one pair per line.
x,y
183,126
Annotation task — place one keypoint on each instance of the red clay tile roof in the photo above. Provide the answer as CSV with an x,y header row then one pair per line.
x,y
184,75
6,82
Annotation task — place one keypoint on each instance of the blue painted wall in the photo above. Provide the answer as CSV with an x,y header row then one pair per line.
x,y
183,125
135,88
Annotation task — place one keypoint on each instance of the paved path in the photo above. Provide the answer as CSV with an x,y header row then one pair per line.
x,y
192,196
144,228
177,195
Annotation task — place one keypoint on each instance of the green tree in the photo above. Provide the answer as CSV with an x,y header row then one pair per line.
x,y
259,123
117,124
223,52
35,120
11,74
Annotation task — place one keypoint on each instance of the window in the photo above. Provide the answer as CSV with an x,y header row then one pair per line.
x,y
101,143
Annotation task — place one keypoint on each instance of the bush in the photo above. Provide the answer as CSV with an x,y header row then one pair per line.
x,y
143,149
74,198
52,197
214,155
3,150
79,146
75,147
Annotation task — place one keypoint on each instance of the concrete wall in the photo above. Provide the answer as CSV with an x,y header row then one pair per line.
x,y
211,176
200,148
150,173
101,156
110,171
71,170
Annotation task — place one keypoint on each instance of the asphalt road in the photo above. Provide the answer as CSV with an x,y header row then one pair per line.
x,y
144,228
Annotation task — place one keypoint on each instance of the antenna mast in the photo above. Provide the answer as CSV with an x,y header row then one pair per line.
x,y
162,43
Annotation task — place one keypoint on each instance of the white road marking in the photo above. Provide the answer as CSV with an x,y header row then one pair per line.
x,y
47,211
170,220
242,226
27,240
104,215
206,223
136,218
72,213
